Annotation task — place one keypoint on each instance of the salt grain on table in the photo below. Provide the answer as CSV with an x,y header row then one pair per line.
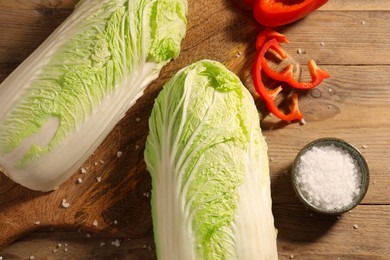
x,y
116,243
65,204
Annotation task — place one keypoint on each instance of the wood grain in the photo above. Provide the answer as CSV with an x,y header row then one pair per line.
x,y
350,39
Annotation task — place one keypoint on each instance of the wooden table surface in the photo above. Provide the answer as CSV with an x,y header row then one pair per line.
x,y
350,39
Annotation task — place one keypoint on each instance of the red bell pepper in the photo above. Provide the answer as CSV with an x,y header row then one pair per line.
x,y
267,40
287,75
269,95
268,34
273,13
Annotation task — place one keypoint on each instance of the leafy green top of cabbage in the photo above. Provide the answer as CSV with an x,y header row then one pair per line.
x,y
107,51
208,162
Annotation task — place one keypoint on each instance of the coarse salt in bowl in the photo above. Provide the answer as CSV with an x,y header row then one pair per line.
x,y
330,176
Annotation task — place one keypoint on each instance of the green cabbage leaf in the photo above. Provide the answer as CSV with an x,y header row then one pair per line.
x,y
64,99
209,167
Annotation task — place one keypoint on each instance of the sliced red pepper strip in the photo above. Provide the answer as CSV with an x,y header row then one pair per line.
x,y
287,75
267,34
269,95
272,13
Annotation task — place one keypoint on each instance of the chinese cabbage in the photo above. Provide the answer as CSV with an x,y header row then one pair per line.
x,y
65,98
209,166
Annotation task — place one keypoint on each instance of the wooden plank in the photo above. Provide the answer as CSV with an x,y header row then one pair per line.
x,y
344,38
301,233
22,31
361,234
356,5
60,244
37,4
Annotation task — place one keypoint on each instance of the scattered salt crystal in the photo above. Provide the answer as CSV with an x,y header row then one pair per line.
x,y
338,217
302,121
138,119
136,147
79,180
101,162
115,222
356,226
88,235
300,51
83,170
119,154
1,258
271,159
322,43
54,250
95,164
65,204
102,243
146,194
329,177
59,245
95,223
65,249
330,90
37,222
363,22
65,245
116,243
364,146
99,179
32,257
291,256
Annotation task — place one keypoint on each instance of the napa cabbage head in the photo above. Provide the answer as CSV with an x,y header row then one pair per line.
x,y
209,167
63,100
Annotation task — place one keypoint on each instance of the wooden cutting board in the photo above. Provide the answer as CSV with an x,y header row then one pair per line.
x,y
112,195
350,40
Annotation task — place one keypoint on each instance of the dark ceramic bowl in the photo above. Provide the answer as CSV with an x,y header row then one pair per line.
x,y
361,163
